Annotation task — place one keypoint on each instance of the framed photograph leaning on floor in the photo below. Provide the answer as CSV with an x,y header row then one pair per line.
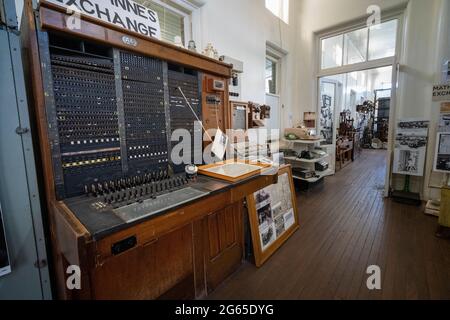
x,y
273,216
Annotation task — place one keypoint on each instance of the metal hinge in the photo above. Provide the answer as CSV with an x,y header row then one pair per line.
x,y
21,131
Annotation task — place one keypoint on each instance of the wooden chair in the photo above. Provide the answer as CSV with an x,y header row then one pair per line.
x,y
344,152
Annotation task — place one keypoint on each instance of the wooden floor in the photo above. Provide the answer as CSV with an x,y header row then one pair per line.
x,y
347,226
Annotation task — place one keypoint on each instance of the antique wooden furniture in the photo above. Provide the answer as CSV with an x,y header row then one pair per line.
x,y
310,119
257,115
346,124
102,78
344,152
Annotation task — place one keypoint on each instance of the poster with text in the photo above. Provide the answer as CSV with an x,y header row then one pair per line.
x,y
5,266
411,146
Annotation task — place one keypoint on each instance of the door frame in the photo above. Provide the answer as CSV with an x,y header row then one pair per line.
x,y
278,55
396,13
337,101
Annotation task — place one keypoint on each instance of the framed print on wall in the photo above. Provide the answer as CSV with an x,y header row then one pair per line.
x,y
273,216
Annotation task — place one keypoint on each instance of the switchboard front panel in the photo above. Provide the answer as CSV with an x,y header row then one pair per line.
x,y
111,115
86,111
185,114
145,114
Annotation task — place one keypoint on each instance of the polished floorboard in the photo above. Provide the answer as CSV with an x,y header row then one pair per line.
x,y
346,226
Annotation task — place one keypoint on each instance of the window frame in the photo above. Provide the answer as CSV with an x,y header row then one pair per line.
x,y
368,64
187,16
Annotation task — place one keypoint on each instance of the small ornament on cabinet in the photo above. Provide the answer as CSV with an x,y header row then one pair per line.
x,y
192,46
178,41
210,52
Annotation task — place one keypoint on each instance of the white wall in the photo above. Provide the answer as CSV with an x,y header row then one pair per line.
x,y
240,29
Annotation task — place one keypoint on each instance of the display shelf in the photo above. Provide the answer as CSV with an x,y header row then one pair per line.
x,y
306,160
304,141
321,175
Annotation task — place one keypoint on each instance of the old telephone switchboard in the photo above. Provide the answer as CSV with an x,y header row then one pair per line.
x,y
111,114
181,115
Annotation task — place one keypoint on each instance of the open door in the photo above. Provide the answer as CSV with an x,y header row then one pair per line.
x,y
330,98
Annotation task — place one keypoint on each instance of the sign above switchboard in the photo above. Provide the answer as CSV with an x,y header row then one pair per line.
x,y
125,14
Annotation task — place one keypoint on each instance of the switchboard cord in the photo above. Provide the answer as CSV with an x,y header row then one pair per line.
x,y
193,112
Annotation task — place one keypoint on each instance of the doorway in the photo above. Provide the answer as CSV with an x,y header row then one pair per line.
x,y
356,106
356,90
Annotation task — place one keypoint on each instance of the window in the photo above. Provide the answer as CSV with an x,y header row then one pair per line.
x,y
332,52
173,19
361,45
271,76
280,8
355,46
382,40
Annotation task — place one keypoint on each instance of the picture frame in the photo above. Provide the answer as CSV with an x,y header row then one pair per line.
x,y
442,153
273,216
411,142
241,171
5,265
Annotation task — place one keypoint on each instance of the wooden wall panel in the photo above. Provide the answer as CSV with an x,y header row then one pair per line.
x,y
213,231
198,231
231,226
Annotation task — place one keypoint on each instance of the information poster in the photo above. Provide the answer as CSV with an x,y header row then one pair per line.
x,y
442,156
442,151
5,266
274,210
411,146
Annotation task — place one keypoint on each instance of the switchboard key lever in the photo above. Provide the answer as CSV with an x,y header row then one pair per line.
x,y
93,190
100,189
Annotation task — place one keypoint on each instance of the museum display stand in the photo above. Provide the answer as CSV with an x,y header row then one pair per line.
x,y
299,146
